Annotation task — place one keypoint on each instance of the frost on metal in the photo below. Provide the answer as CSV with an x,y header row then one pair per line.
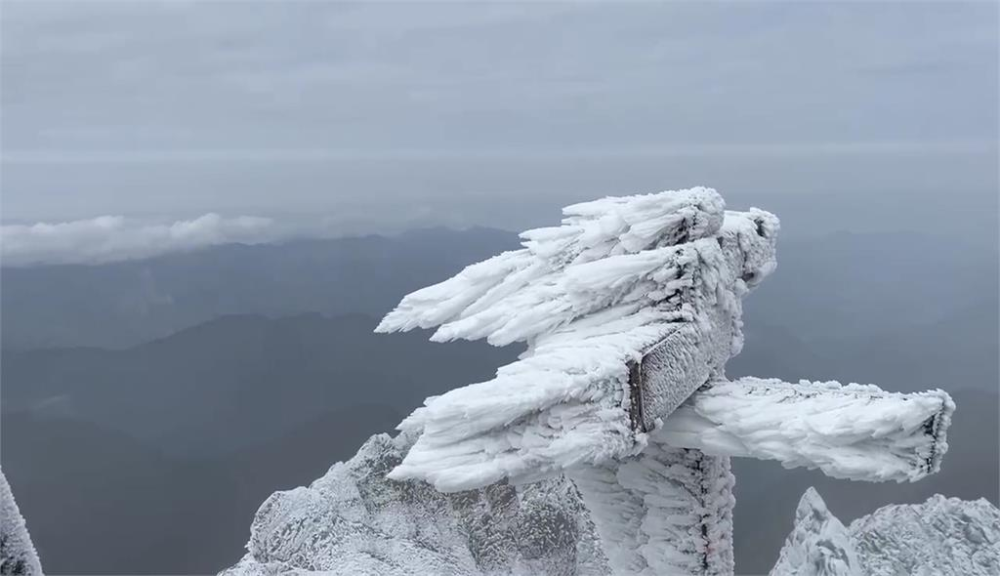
x,y
630,310
667,511
854,432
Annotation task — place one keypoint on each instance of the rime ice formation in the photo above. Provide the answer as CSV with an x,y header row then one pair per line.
x,y
819,545
941,537
855,432
668,511
17,553
619,277
355,522
630,310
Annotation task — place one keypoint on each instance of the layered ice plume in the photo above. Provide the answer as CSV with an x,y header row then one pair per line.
x,y
606,248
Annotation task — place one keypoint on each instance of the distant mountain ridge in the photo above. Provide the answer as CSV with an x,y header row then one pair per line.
x,y
261,376
835,287
122,304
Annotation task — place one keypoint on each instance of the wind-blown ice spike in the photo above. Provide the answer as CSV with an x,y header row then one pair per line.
x,y
494,299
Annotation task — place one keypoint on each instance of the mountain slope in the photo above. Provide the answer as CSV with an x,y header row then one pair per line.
x,y
238,381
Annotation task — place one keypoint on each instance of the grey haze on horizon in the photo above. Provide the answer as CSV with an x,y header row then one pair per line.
x,y
335,118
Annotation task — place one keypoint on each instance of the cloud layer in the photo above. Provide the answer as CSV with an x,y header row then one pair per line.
x,y
114,238
177,107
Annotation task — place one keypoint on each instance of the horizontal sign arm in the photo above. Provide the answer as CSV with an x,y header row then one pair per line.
x,y
847,431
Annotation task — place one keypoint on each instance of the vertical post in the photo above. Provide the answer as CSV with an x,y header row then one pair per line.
x,y
668,511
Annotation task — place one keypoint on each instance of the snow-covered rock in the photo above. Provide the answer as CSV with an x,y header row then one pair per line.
x,y
355,522
17,553
819,545
941,537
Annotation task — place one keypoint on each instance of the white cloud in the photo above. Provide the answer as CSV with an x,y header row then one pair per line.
x,y
114,238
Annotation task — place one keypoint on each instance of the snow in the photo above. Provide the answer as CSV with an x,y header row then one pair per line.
x,y
484,296
848,431
619,277
819,545
355,522
940,537
669,511
17,553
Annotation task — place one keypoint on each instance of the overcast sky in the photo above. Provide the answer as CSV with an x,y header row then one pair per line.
x,y
385,114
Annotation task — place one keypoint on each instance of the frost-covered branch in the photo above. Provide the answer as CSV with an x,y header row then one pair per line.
x,y
855,432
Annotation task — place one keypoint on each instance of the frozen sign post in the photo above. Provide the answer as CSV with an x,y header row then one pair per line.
x,y
630,310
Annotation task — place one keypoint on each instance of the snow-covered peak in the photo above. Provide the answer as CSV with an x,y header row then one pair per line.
x,y
17,553
940,537
819,545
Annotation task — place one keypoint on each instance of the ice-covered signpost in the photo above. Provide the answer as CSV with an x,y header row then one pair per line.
x,y
630,310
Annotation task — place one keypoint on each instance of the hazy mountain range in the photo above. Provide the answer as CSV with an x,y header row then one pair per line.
x,y
164,399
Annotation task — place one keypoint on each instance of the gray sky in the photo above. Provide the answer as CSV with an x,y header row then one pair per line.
x,y
361,116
